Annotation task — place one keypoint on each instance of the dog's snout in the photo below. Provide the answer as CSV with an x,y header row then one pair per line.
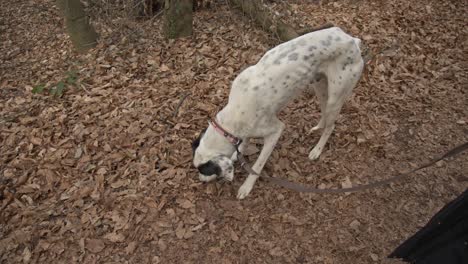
x,y
209,168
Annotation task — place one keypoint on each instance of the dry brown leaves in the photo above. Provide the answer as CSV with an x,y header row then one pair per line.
x,y
103,174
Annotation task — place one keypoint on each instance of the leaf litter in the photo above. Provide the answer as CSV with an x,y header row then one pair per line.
x,y
102,172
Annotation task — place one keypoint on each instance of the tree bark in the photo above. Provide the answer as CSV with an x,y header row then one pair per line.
x,y
285,32
178,18
146,8
256,11
82,34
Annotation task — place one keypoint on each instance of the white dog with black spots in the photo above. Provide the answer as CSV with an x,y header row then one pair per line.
x,y
327,60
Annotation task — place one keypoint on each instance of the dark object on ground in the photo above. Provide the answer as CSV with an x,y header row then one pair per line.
x,y
443,240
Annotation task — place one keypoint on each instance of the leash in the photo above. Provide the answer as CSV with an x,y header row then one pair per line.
x,y
235,141
307,189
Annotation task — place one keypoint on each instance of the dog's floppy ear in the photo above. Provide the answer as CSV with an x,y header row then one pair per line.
x,y
196,142
209,168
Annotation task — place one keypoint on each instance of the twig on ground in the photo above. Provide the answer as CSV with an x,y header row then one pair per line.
x,y
176,111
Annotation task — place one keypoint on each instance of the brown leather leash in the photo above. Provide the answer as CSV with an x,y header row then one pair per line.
x,y
308,189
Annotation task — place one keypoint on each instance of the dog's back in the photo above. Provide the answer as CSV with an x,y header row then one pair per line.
x,y
290,67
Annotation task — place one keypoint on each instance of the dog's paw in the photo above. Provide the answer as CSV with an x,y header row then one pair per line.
x,y
244,190
315,153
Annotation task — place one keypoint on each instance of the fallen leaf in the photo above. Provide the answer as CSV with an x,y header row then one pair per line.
x,y
355,224
276,252
26,255
36,141
131,247
185,203
101,171
180,232
119,183
115,237
164,68
346,183
95,245
234,236
250,150
188,234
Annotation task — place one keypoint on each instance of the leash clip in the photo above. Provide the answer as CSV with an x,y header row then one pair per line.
x,y
237,143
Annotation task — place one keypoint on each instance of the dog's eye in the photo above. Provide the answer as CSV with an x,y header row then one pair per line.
x,y
209,168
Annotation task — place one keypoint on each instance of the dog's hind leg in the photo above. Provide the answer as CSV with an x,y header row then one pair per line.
x,y
340,85
321,91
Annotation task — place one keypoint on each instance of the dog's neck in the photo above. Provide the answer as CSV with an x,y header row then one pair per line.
x,y
217,143
232,120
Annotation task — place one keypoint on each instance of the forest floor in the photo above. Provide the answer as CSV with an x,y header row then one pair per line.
x,y
103,174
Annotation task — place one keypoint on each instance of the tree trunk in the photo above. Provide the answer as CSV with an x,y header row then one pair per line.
x,y
178,18
82,34
255,10
285,32
146,8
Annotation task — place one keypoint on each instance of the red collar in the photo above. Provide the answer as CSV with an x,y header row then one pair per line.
x,y
235,141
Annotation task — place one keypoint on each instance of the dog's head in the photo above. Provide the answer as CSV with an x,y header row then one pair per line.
x,y
210,165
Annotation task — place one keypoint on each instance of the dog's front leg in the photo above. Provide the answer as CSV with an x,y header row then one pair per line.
x,y
268,146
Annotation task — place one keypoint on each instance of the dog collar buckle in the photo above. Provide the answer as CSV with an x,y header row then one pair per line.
x,y
237,143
